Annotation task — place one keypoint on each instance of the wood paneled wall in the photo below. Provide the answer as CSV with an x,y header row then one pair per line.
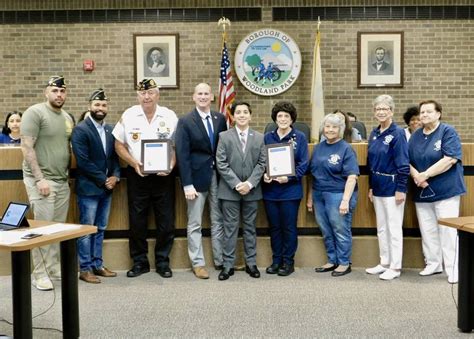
x,y
364,217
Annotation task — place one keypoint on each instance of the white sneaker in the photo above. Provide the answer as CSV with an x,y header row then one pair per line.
x,y
43,284
376,270
430,270
55,277
389,275
452,280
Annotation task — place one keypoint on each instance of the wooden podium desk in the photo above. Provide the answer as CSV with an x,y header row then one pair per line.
x,y
21,279
465,227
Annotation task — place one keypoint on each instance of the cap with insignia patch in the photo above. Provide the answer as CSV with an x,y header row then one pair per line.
x,y
146,84
98,94
57,81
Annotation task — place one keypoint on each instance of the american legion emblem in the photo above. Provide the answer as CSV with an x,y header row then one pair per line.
x,y
267,62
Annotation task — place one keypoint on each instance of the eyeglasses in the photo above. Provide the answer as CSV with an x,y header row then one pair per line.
x,y
382,109
150,92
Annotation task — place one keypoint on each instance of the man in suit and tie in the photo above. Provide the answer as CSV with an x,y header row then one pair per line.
x,y
197,136
240,161
380,66
98,171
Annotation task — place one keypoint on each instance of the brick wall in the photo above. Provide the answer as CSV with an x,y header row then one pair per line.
x,y
439,64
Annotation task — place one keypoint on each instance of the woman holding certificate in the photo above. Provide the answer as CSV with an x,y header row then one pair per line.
x,y
282,194
334,172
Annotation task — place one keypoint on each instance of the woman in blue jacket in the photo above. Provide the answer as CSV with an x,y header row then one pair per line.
x,y
388,176
282,195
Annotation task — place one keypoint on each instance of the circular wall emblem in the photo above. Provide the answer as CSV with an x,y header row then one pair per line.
x,y
267,62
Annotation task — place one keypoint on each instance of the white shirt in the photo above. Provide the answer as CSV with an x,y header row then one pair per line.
x,y
204,116
134,127
100,129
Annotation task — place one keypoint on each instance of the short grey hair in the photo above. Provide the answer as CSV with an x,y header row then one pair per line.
x,y
384,99
333,119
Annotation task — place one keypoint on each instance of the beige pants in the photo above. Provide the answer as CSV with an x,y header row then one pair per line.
x,y
51,208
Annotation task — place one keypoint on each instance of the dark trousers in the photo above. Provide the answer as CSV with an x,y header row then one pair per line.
x,y
159,192
282,217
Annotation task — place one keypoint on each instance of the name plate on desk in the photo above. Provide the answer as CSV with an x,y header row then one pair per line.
x,y
280,160
156,156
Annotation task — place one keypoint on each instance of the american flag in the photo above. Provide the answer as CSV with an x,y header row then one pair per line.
x,y
226,86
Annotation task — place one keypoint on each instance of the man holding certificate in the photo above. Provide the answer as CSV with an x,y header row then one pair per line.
x,y
144,137
240,161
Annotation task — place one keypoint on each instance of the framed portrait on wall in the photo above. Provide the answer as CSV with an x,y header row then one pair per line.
x,y
156,57
380,59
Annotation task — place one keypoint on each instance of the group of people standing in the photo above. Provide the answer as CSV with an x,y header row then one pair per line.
x,y
432,158
226,167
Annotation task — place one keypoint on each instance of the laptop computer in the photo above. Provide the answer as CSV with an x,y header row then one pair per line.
x,y
14,216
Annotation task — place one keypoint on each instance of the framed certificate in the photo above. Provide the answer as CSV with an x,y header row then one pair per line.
x,y
280,160
156,156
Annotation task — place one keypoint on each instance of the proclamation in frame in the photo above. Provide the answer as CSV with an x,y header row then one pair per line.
x,y
156,156
280,160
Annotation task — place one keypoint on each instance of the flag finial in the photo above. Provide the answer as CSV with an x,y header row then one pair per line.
x,y
223,22
319,22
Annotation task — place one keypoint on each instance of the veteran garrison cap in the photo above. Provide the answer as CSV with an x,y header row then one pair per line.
x,y
57,81
146,84
98,94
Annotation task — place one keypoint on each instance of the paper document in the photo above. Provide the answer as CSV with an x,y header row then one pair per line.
x,y
12,237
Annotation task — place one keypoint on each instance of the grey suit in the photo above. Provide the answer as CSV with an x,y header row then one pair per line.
x,y
236,166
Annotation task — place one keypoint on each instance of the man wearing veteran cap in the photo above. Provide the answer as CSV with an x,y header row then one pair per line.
x,y
98,171
45,132
147,121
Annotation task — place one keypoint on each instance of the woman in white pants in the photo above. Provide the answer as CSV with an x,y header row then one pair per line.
x,y
389,170
435,165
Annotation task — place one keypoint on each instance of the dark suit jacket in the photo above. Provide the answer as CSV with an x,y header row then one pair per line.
x,y
196,159
235,166
93,165
386,69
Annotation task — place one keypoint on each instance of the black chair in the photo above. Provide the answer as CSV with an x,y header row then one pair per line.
x,y
300,126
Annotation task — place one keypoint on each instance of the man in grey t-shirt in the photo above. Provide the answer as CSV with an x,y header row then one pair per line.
x,y
45,132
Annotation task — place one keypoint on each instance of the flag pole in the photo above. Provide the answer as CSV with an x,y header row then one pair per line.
x,y
226,84
224,22
317,97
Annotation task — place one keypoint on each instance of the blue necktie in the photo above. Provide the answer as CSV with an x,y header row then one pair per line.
x,y
209,131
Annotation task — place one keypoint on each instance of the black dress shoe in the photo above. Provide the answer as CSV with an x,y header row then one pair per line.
x,y
252,271
137,270
164,272
219,267
286,270
325,269
340,274
273,269
226,273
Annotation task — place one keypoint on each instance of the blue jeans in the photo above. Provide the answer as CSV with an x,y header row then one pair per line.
x,y
336,228
282,217
93,210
